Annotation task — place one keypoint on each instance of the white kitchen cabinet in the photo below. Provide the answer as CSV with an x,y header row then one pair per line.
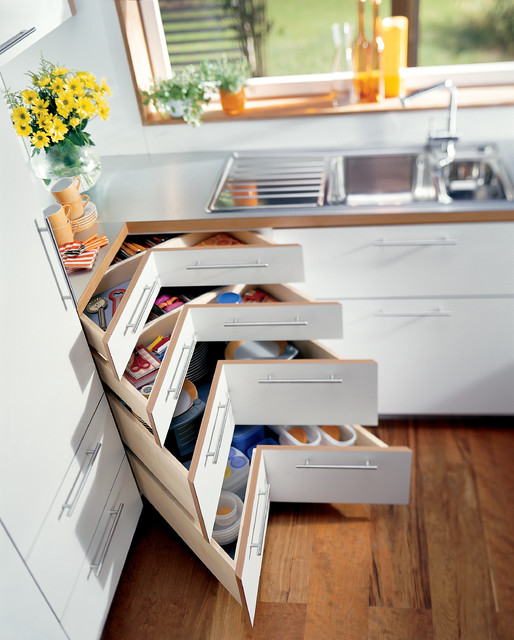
x,y
24,22
431,304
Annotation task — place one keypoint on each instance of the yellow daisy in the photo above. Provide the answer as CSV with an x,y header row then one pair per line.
x,y
57,85
74,122
65,103
106,88
23,129
29,96
44,81
74,85
103,111
86,107
56,129
20,114
59,71
40,140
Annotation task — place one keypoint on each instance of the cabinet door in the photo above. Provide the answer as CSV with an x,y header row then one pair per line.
x,y
50,387
24,22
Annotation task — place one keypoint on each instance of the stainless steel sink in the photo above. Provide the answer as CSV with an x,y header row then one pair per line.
x,y
395,177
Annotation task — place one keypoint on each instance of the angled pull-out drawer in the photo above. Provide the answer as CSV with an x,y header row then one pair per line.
x,y
209,461
267,321
254,523
299,392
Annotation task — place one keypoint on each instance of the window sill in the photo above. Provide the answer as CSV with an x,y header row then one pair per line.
x,y
320,105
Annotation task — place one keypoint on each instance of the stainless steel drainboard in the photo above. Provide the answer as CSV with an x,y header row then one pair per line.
x,y
251,181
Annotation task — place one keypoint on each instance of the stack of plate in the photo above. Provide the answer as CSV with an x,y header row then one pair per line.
x,y
87,219
199,365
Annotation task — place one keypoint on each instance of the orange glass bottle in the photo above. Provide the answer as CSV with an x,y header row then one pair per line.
x,y
376,90
360,57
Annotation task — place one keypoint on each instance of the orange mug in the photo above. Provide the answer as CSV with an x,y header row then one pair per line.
x,y
77,206
63,234
57,214
65,189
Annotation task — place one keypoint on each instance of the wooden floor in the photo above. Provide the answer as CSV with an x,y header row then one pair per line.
x,y
441,568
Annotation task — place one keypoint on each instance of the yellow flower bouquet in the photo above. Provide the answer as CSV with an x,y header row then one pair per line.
x,y
53,114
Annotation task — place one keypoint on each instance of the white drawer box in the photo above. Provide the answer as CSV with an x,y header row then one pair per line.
x,y
446,356
91,598
406,260
299,320
184,266
58,553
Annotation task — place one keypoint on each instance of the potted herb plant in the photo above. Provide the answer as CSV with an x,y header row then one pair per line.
x,y
230,78
184,95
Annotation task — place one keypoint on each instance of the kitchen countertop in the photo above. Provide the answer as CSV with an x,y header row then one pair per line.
x,y
170,192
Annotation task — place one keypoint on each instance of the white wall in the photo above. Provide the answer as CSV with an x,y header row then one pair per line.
x,y
92,41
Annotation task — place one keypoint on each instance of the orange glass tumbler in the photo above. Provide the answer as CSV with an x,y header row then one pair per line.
x,y
395,36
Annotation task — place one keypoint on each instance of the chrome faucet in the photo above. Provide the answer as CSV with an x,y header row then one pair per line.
x,y
443,141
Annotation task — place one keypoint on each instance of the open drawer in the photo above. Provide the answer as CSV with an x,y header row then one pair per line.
x,y
196,325
162,479
205,265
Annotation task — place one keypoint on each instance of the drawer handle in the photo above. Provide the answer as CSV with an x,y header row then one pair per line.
x,y
433,242
260,543
176,390
362,467
46,230
215,454
270,380
134,325
71,505
5,46
271,323
242,265
97,566
436,313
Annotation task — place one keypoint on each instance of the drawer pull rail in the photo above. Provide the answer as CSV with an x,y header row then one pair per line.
x,y
270,380
215,454
260,542
362,467
242,265
271,323
176,390
97,566
46,229
433,242
134,325
5,46
436,313
71,505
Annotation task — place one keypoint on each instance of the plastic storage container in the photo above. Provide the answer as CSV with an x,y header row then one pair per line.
x,y
269,441
338,435
306,435
183,431
247,435
236,474
228,518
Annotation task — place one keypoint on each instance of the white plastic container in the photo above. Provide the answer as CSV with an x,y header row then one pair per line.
x,y
228,518
347,436
236,473
286,435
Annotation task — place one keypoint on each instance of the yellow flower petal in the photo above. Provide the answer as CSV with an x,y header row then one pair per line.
x,y
40,140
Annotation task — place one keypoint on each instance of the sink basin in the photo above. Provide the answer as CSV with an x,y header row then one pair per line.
x,y
328,179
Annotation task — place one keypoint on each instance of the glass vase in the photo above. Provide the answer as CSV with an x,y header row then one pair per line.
x,y
68,160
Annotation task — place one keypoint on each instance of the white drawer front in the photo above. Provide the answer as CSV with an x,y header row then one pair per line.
x,y
209,461
252,534
447,356
363,475
89,604
276,321
123,331
58,553
303,391
399,260
238,264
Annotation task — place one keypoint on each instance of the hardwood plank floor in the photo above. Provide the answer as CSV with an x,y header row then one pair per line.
x,y
441,568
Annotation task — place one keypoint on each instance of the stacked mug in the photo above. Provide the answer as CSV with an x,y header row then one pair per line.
x,y
69,207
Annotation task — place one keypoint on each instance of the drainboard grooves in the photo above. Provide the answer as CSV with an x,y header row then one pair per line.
x,y
271,181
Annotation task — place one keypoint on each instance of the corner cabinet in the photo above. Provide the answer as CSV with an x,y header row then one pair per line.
x,y
24,22
432,304
316,387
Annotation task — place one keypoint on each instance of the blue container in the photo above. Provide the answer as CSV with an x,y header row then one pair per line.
x,y
249,453
229,298
247,435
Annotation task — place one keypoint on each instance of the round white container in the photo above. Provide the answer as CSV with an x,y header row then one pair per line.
x,y
236,474
347,436
312,432
226,513
225,534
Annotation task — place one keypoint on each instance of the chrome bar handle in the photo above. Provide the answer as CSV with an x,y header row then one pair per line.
x,y
270,380
42,230
215,454
176,390
260,543
362,467
71,505
97,566
242,265
434,242
21,35
134,325
436,313
271,323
